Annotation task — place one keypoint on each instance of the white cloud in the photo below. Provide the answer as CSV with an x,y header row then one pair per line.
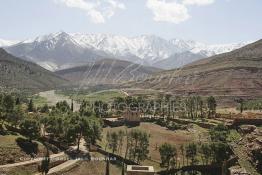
x,y
97,10
198,2
96,16
174,11
168,11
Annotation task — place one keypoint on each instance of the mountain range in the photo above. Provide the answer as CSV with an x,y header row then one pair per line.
x,y
62,50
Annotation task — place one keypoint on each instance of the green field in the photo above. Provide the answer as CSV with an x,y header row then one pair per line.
x,y
105,95
39,100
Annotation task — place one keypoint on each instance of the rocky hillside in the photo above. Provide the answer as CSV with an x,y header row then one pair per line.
x,y
237,73
107,71
20,74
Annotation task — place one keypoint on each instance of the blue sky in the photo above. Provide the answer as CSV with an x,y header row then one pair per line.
x,y
208,21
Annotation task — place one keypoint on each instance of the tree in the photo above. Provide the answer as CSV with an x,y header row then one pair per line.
x,y
93,131
17,101
112,140
30,128
44,167
220,152
44,109
85,109
30,107
167,101
205,151
120,140
1,112
173,107
57,125
7,107
142,149
211,104
123,168
167,154
138,143
119,105
201,106
100,108
8,104
76,128
240,101
182,150
16,116
63,106
44,121
72,105
107,166
219,133
191,152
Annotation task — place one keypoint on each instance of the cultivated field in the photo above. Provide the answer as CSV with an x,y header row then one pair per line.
x,y
14,148
160,135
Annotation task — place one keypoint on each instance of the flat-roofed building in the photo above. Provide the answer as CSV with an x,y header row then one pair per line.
x,y
114,122
140,170
132,117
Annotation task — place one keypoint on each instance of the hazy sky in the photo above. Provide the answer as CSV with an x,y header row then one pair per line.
x,y
209,21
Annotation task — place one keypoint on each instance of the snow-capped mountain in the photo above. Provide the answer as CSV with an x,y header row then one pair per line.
x,y
62,50
210,50
55,51
4,43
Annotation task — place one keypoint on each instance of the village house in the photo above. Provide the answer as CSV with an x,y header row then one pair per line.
x,y
140,170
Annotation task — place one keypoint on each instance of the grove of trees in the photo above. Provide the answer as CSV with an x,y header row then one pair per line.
x,y
135,144
58,122
168,106
214,152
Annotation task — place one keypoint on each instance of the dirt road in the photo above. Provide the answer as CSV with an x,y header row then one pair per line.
x,y
38,160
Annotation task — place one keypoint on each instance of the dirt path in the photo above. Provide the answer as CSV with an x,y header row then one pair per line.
x,y
124,92
61,167
37,160
53,98
68,163
240,152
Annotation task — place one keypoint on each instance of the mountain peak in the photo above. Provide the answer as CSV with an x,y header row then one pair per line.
x,y
70,48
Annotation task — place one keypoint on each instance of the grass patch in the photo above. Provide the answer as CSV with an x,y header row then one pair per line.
x,y
39,101
105,95
233,136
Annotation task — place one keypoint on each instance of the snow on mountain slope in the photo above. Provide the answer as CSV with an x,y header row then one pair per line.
x,y
4,43
58,50
144,47
149,47
210,50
